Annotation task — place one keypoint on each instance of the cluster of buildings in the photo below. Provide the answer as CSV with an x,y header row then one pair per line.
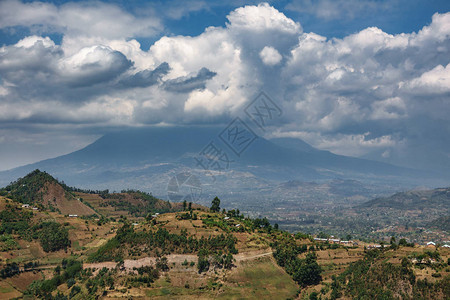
x,y
28,206
376,246
336,241
423,261
433,244
227,218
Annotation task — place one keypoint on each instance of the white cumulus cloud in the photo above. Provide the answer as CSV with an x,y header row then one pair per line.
x,y
368,91
270,56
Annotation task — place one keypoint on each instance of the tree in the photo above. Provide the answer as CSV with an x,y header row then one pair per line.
x,y
307,271
322,235
202,263
392,241
9,270
403,242
162,264
228,261
53,237
190,206
75,290
184,205
215,205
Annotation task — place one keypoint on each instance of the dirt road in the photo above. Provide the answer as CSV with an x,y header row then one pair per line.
x,y
178,259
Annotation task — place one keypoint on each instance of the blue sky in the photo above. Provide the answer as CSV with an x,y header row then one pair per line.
x,y
393,17
360,78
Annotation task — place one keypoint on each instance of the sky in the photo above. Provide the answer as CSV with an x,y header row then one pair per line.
x,y
360,78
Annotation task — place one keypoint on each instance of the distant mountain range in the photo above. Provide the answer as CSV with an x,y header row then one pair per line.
x,y
148,158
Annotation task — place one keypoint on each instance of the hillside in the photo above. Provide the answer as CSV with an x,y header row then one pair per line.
x,y
43,191
198,253
442,223
131,203
413,200
128,268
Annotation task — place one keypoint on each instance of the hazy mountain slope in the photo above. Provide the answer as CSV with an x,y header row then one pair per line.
x,y
152,155
293,143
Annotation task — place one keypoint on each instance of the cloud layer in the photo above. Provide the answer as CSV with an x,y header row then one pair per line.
x,y
368,94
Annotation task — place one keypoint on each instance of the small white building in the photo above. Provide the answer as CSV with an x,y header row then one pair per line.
x,y
320,239
431,244
226,218
26,205
73,216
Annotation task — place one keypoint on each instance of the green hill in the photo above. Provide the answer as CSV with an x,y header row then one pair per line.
x,y
41,190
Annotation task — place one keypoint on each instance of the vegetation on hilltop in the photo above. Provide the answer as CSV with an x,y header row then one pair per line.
x,y
36,189
30,188
137,203
41,190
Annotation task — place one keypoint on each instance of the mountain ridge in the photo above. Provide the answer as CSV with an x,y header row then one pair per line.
x,y
148,157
